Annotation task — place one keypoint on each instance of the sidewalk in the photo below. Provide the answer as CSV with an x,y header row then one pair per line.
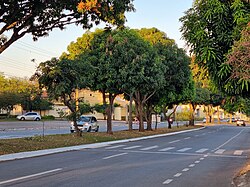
x,y
21,155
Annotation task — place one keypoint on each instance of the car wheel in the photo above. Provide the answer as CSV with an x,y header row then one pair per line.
x,y
89,129
37,119
22,119
97,129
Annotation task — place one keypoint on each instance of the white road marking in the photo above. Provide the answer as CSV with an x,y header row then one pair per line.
x,y
203,134
197,135
229,140
187,138
202,158
205,156
191,165
167,149
185,169
112,156
132,147
167,181
149,148
184,149
238,152
174,141
197,162
30,176
113,147
177,174
220,151
201,150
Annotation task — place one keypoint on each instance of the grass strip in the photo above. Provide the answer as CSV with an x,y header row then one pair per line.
x,y
8,146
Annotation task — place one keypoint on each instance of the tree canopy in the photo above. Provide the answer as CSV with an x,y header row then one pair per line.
x,y
210,28
39,17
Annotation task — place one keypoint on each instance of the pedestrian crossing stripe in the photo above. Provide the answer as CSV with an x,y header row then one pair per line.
x,y
202,150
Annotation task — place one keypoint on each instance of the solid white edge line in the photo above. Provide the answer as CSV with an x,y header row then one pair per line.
x,y
30,176
114,156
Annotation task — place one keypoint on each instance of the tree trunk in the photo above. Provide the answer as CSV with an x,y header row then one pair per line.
x,y
139,107
104,103
109,113
192,107
149,117
130,112
218,114
156,122
164,113
74,115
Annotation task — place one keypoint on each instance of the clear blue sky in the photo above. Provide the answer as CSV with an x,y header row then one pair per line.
x,y
162,14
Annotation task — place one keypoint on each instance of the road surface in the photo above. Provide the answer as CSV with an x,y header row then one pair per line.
x,y
20,129
210,157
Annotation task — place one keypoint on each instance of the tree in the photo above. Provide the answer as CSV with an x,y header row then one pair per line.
x,y
61,78
210,28
39,17
237,68
176,86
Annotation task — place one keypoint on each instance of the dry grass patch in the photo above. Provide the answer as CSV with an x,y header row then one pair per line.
x,y
8,146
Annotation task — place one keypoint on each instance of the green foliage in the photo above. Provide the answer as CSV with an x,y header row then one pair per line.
x,y
39,17
48,117
236,104
210,28
85,108
236,68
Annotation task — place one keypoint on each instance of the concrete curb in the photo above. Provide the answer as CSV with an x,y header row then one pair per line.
x,y
22,155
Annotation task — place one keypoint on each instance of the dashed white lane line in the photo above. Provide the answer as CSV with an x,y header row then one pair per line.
x,y
191,165
177,174
112,156
202,158
197,162
201,150
184,149
185,169
238,152
174,141
220,151
132,147
187,138
30,176
149,148
168,181
113,147
167,149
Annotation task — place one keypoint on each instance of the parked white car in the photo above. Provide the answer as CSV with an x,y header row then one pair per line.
x,y
29,116
85,124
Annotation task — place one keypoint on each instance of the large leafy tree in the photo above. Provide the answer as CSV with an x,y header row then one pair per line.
x,y
210,28
61,78
39,17
177,86
237,66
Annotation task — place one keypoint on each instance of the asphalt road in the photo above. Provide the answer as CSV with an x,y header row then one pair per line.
x,y
210,157
20,129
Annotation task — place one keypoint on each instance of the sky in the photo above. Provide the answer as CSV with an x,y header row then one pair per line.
x,y
17,60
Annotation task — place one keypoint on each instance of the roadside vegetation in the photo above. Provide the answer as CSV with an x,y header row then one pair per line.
x,y
8,146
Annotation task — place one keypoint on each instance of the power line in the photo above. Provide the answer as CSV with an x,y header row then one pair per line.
x,y
38,53
36,48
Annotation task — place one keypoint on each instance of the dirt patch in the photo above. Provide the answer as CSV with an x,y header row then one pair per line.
x,y
243,179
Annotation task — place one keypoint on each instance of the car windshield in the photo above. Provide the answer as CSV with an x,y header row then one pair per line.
x,y
85,119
